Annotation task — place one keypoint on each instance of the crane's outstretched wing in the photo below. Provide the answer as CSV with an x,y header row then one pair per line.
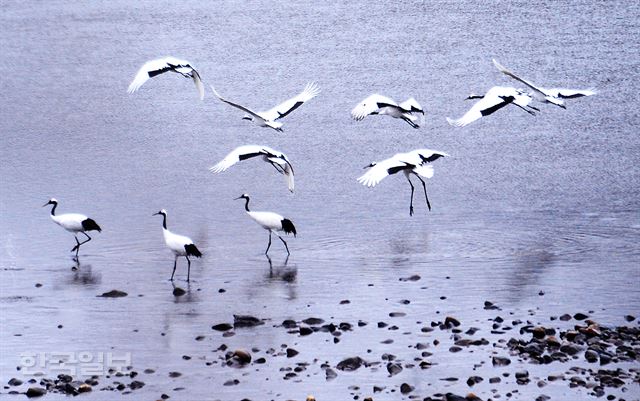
x,y
381,170
159,66
489,104
371,105
283,109
237,106
564,93
517,78
411,105
238,154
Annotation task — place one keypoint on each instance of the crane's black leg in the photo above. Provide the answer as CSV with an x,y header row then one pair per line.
x,y
278,168
285,245
77,247
175,263
424,186
411,123
188,268
411,203
268,246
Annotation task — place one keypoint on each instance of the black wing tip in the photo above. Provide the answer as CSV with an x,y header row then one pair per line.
x,y
192,250
91,225
288,227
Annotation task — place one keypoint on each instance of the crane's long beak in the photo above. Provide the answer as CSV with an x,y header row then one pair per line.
x,y
155,213
239,197
45,204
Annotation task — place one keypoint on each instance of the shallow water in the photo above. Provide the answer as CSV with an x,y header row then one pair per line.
x,y
525,204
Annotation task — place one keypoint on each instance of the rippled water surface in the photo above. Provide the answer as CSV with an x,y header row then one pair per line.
x,y
525,206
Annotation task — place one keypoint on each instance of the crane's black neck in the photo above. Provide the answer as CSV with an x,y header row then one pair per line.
x,y
246,205
53,209
164,221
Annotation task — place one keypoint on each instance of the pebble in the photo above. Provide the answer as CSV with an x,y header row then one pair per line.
x,y
405,388
222,327
350,364
291,352
33,392
178,292
246,321
113,294
394,369
14,382
500,361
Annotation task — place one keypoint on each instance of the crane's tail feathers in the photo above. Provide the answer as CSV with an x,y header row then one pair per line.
x,y
192,250
91,225
288,227
424,171
218,168
311,90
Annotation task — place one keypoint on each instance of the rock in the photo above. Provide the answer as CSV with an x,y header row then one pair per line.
x,y
222,327
488,305
260,360
313,321
178,292
500,361
539,332
330,374
591,356
14,382
453,397
566,317
291,352
173,375
455,348
580,316
397,314
136,384
474,380
350,364
113,294
494,380
231,382
33,392
605,358
414,277
522,377
311,398
246,321
84,388
570,349
394,368
344,302
241,356
305,331
406,388
450,322
289,324
543,397
629,318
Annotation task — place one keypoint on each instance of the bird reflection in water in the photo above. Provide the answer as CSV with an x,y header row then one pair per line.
x,y
283,273
83,275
